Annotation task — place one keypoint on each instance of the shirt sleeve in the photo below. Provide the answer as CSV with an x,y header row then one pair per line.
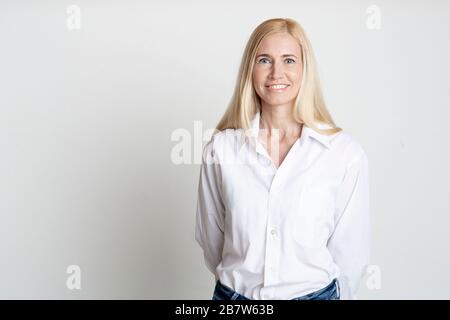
x,y
350,242
209,228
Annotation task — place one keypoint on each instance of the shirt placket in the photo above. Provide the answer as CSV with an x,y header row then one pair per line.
x,y
273,232
272,254
272,248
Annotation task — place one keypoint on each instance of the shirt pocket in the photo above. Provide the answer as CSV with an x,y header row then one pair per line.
x,y
312,219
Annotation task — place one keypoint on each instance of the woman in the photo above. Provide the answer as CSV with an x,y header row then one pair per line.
x,y
283,197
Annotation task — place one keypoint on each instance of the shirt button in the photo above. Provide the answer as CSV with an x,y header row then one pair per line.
x,y
274,232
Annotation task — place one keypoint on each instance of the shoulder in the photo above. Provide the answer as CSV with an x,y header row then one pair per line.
x,y
348,146
221,142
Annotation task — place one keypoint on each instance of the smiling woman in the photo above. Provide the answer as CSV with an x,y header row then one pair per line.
x,y
277,73
278,51
293,221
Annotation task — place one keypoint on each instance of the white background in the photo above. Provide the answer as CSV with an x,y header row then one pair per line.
x,y
86,117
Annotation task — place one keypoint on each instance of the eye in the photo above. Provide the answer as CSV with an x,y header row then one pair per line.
x,y
289,59
262,59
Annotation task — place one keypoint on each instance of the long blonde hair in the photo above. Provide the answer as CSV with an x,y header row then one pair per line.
x,y
309,106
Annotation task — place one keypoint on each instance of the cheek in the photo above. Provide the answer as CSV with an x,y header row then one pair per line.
x,y
297,77
258,76
258,81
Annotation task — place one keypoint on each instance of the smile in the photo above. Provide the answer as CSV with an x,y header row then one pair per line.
x,y
278,87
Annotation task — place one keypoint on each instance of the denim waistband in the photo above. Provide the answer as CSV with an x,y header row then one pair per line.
x,y
330,292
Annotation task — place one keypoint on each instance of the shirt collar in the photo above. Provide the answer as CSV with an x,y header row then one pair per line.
x,y
307,132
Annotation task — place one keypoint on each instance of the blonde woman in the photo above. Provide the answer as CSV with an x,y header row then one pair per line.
x,y
283,194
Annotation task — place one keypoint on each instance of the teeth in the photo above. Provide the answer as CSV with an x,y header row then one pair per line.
x,y
279,86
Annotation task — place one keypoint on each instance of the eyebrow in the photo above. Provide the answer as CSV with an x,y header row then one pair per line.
x,y
283,56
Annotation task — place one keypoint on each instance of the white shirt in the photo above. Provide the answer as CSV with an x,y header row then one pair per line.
x,y
282,233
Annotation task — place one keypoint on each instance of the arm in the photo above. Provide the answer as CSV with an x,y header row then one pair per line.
x,y
350,242
209,228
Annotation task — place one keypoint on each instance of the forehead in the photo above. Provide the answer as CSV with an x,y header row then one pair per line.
x,y
279,44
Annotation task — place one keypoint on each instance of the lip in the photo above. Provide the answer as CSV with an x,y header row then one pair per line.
x,y
277,90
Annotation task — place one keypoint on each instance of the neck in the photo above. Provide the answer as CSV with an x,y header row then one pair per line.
x,y
279,122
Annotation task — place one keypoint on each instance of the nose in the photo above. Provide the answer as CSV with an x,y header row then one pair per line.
x,y
276,71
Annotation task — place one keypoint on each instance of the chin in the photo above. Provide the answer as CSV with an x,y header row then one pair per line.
x,y
275,103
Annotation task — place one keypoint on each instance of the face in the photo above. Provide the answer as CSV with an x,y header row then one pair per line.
x,y
277,73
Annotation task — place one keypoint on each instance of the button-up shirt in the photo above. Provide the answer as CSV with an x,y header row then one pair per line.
x,y
280,233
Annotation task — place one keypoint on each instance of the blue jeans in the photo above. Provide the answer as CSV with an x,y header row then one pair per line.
x,y
330,292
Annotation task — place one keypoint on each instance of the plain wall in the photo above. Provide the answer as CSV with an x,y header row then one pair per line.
x,y
87,115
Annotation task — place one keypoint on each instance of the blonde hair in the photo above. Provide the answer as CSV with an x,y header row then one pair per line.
x,y
309,106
